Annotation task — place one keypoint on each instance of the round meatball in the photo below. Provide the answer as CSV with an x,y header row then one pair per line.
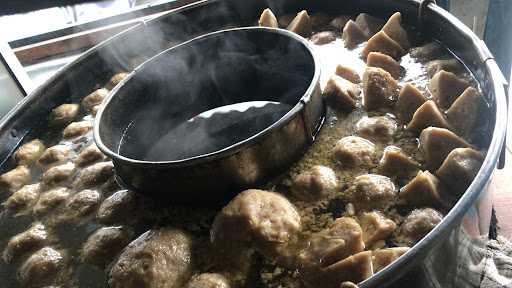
x,y
95,98
209,280
76,129
29,152
355,151
41,268
314,183
64,114
51,200
157,259
418,223
255,217
88,156
16,178
57,154
83,203
58,174
23,199
116,79
372,191
118,207
94,175
104,244
380,128
34,238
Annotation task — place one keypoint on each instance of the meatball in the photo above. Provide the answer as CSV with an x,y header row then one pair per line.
x,y
353,35
116,79
395,163
57,154
209,280
94,175
118,207
355,151
23,199
424,190
64,114
157,259
465,114
459,169
51,200
268,19
89,155
83,203
376,59
376,227
315,183
379,128
379,88
41,268
95,98
16,178
428,115
76,129
264,219
341,94
34,238
58,174
29,152
446,87
104,244
418,224
301,24
372,191
381,42
437,143
409,100
323,38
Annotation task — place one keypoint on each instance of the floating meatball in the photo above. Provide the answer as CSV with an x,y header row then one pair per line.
x,y
29,152
322,38
95,98
76,129
23,199
255,217
379,88
395,31
418,224
428,115
465,113
394,163
16,178
424,190
460,168
372,191
57,154
158,258
34,238
94,175
116,79
268,19
118,207
348,73
380,128
64,114
369,24
428,52
448,65
437,143
41,268
314,183
209,280
355,151
379,60
104,244
376,227
83,203
383,257
409,100
88,156
51,200
320,19
341,94
446,87
301,24
353,35
58,174
382,43
339,22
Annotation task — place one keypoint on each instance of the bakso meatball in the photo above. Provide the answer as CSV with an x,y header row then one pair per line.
x,y
76,129
51,200
94,175
376,227
157,259
418,223
323,38
118,207
83,203
58,174
255,218
41,268
116,79
23,199
379,88
379,128
209,280
29,152
57,154
95,98
89,155
315,183
34,238
354,151
16,178
372,191
64,114
104,244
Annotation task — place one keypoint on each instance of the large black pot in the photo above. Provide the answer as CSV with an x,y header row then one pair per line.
x,y
439,259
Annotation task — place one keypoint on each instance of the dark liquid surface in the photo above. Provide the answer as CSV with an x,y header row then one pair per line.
x,y
205,133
